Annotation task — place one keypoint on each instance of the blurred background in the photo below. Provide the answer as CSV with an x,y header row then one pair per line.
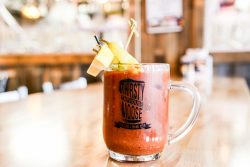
x,y
46,45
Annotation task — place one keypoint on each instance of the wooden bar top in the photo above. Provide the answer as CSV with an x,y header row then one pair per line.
x,y
64,129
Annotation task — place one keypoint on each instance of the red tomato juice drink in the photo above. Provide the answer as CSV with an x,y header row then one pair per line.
x,y
135,118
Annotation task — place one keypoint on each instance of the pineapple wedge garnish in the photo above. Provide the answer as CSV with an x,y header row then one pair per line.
x,y
102,60
110,53
120,54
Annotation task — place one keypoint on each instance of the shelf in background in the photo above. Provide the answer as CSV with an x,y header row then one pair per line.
x,y
231,57
45,59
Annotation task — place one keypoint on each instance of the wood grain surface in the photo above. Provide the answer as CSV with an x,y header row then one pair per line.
x,y
45,59
64,129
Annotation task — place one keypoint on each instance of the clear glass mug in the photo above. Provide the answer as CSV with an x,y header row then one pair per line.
x,y
135,116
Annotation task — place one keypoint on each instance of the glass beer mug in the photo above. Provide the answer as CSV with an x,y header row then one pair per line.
x,y
136,105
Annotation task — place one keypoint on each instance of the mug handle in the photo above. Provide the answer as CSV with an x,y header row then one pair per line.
x,y
187,126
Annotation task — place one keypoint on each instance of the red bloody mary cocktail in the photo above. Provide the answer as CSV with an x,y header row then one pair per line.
x,y
135,118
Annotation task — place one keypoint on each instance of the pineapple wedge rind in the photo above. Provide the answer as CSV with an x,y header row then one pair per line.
x,y
101,61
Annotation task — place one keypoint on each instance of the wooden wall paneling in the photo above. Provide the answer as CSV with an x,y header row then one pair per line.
x,y
12,83
146,52
34,76
55,76
34,69
34,79
197,23
76,72
21,74
171,45
46,74
185,40
185,36
159,48
172,51
147,48
66,72
61,73
148,40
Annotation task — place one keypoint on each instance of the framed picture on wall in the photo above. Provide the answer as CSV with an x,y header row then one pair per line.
x,y
164,16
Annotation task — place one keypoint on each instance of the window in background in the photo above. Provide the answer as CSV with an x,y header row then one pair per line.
x,y
227,25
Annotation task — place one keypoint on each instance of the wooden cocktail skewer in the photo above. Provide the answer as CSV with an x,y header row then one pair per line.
x,y
133,26
95,50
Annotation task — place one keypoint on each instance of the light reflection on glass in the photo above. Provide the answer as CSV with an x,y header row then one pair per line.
x,y
153,139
